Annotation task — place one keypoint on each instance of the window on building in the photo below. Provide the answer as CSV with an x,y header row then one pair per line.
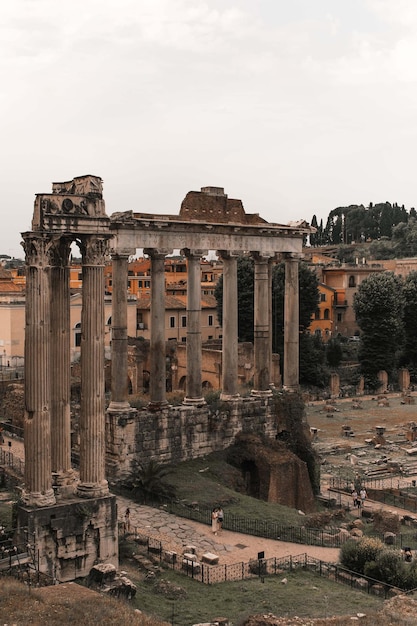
x,y
352,282
77,338
172,322
326,314
184,321
317,314
339,317
210,320
184,339
322,297
318,332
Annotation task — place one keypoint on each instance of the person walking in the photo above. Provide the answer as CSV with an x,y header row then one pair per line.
x,y
215,520
363,495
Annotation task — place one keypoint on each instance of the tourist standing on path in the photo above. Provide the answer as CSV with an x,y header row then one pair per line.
x,y
215,520
355,498
127,520
220,517
363,495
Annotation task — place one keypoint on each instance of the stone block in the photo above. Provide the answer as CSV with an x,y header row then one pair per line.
x,y
210,558
191,566
190,549
189,556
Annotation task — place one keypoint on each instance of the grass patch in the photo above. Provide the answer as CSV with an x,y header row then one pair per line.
x,y
305,595
22,605
211,481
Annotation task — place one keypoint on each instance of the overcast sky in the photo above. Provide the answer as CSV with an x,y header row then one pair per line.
x,y
294,106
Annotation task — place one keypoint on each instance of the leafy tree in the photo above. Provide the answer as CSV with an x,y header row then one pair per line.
x,y
410,323
314,236
313,369
378,306
312,357
334,352
308,302
404,236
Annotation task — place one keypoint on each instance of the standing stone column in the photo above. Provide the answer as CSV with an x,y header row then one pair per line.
x,y
37,424
193,393
230,328
63,475
119,374
157,382
291,324
92,415
262,337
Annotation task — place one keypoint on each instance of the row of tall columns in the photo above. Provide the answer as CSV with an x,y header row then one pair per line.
x,y
47,352
47,428
262,328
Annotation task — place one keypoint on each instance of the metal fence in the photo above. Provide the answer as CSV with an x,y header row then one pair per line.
x,y
8,459
330,537
260,568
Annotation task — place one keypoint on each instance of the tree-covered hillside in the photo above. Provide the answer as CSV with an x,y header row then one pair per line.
x,y
390,227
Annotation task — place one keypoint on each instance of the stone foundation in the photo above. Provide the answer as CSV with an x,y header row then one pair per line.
x,y
176,434
70,538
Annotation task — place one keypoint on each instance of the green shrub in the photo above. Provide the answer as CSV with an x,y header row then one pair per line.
x,y
355,554
409,576
388,567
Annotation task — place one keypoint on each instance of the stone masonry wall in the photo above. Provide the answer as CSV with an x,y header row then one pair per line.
x,y
181,433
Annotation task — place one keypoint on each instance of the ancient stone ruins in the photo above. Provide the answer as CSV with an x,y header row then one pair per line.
x,y
74,521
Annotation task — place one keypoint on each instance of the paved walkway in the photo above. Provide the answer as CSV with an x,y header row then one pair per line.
x,y
176,533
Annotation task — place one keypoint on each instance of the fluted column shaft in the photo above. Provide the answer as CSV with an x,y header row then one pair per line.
x,y
291,324
60,365
193,394
230,328
157,382
119,372
92,414
37,424
262,338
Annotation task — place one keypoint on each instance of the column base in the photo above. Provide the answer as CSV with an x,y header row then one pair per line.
x,y
229,397
158,406
194,402
119,407
37,499
93,490
64,483
257,393
291,388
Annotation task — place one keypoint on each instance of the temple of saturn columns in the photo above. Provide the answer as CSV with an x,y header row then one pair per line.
x,y
74,518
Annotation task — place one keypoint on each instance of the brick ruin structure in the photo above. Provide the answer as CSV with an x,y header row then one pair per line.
x,y
74,520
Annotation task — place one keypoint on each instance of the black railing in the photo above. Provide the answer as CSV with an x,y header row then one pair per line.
x,y
8,459
259,568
